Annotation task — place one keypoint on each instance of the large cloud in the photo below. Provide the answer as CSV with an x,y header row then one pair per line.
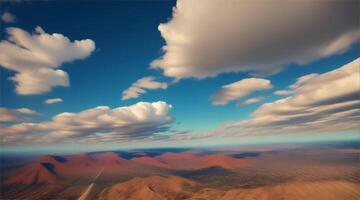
x,y
35,56
11,115
102,123
239,90
140,87
320,103
206,37
325,102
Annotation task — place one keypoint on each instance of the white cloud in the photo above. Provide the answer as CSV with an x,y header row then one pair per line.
x,y
39,81
101,123
283,92
140,87
54,100
250,101
321,102
27,111
239,90
300,81
256,36
11,115
8,17
36,56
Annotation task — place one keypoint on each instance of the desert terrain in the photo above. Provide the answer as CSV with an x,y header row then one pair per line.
x,y
313,172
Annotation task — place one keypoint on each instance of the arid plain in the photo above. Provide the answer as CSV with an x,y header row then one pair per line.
x,y
314,172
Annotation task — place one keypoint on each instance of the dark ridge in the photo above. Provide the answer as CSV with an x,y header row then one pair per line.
x,y
50,167
36,178
159,151
206,172
60,159
148,152
127,155
246,154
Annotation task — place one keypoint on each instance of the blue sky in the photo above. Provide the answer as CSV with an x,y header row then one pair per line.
x,y
127,40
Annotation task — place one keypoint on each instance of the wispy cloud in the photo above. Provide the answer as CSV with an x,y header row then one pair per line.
x,y
283,92
239,90
319,103
12,115
52,101
250,101
325,102
141,86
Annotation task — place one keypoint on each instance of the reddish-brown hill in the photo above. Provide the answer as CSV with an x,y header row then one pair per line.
x,y
150,188
49,168
191,161
147,160
35,173
171,188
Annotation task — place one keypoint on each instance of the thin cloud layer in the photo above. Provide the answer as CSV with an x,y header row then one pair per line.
x,y
12,115
283,92
321,102
239,90
258,36
140,87
250,101
36,56
99,124
54,100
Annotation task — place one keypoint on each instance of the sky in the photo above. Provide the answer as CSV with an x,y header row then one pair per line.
x,y
79,76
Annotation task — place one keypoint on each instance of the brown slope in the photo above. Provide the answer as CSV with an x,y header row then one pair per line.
x,y
113,163
171,188
93,163
35,173
321,190
110,158
150,188
189,161
147,160
50,168
52,159
223,161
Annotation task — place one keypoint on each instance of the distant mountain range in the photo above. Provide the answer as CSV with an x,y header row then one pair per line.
x,y
52,169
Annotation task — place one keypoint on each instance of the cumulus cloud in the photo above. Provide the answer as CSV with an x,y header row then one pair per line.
x,y
250,101
324,102
140,87
138,121
11,115
239,90
258,36
54,100
8,17
39,81
35,57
